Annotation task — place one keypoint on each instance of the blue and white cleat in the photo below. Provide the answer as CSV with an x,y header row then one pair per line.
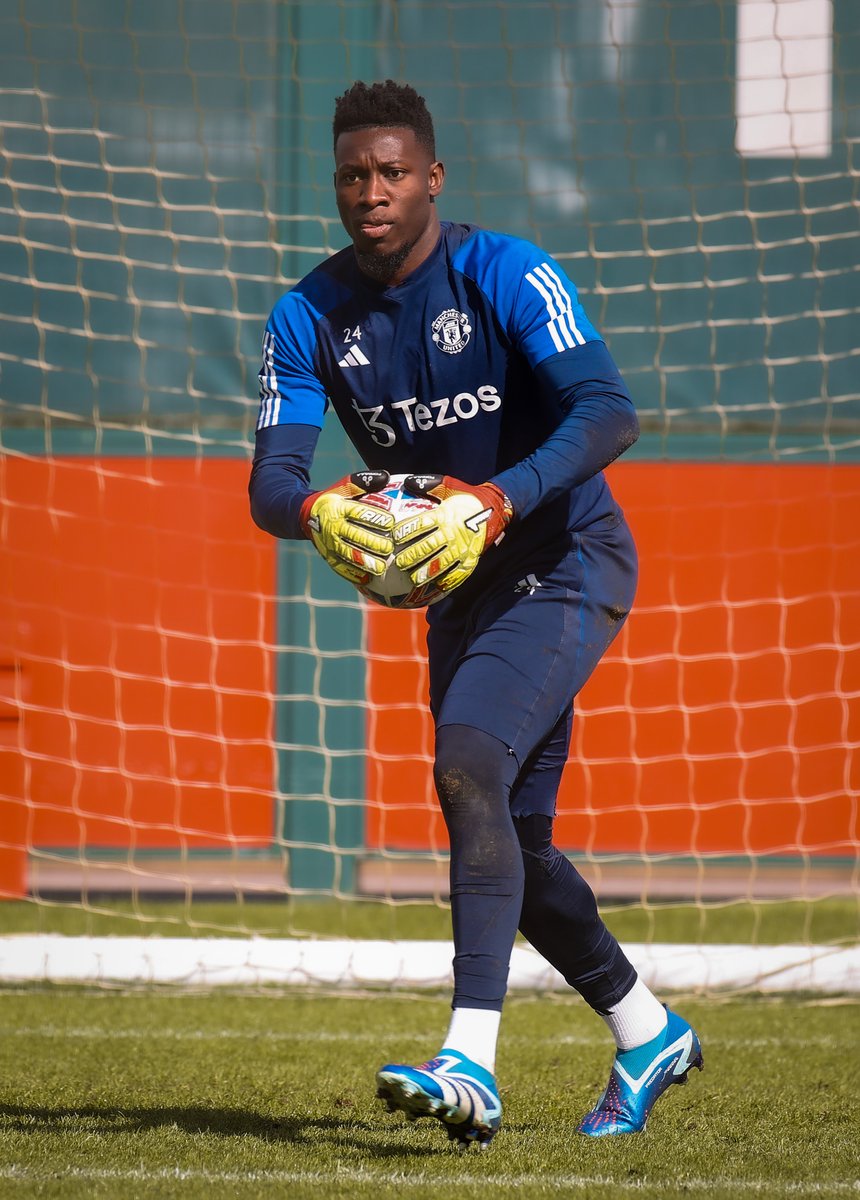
x,y
640,1077
458,1092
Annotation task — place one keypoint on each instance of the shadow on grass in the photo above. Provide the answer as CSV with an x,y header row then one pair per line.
x,y
196,1119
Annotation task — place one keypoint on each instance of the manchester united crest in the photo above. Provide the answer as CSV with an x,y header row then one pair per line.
x,y
451,331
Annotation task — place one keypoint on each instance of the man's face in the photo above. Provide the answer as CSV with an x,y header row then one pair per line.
x,y
385,182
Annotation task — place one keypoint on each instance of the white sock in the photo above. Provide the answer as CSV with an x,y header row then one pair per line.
x,y
637,1018
474,1033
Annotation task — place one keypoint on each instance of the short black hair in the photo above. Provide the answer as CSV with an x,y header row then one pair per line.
x,y
364,106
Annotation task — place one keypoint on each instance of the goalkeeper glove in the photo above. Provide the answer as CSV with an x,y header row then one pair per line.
x,y
353,537
443,545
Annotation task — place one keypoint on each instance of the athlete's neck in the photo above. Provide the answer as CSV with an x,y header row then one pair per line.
x,y
392,269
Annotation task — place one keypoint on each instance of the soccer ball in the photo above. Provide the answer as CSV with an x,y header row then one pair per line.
x,y
394,588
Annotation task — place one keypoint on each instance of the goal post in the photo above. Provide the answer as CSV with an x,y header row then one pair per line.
x,y
191,711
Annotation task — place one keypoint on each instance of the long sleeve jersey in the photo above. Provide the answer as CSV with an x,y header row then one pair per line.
x,y
481,364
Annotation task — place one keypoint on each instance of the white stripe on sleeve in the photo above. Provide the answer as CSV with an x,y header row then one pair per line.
x,y
553,314
559,306
563,301
270,400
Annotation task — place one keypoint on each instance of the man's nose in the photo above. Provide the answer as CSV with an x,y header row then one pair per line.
x,y
374,191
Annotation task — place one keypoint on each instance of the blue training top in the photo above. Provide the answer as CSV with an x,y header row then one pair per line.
x,y
481,364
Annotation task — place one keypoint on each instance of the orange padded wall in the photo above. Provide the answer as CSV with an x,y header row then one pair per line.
x,y
721,719
135,658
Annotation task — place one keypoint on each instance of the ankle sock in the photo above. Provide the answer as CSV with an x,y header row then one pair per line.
x,y
473,1032
637,1018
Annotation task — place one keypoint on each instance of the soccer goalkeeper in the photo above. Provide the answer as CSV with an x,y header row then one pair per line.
x,y
464,358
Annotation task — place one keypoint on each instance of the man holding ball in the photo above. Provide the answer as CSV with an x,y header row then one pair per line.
x,y
463,358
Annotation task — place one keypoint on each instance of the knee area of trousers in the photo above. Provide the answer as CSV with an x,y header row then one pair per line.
x,y
471,768
535,837
546,866
461,794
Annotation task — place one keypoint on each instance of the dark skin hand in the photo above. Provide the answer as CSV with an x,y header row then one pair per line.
x,y
386,183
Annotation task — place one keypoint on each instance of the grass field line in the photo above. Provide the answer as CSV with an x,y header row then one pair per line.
x,y
348,1175
96,1033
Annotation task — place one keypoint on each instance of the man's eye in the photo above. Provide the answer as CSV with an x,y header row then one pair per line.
x,y
396,173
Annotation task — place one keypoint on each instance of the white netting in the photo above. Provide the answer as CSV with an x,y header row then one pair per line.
x,y
190,711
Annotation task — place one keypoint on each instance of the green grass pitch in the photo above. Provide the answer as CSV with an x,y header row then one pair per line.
x,y
160,1093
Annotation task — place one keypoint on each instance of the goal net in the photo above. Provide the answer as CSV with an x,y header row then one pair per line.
x,y
203,732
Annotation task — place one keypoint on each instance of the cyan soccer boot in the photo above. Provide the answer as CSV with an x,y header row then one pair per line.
x,y
458,1092
640,1077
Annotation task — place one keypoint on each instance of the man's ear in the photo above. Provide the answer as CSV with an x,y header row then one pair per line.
x,y
436,178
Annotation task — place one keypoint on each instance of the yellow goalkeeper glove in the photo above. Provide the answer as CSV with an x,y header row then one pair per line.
x,y
443,545
354,538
